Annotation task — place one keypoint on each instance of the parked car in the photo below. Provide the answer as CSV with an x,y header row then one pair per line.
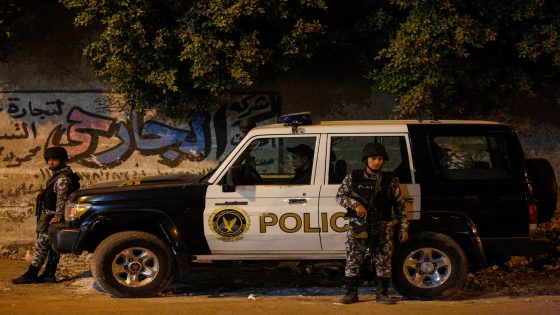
x,y
462,213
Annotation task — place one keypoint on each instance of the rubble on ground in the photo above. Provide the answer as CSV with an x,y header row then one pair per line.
x,y
518,275
69,267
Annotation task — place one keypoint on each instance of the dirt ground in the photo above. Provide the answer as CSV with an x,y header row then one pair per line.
x,y
248,289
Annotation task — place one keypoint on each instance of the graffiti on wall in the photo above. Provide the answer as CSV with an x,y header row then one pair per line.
x,y
83,132
98,133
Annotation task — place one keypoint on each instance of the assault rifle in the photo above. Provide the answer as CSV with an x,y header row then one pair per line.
x,y
39,204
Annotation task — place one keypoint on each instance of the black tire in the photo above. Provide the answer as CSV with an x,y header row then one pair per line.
x,y
429,266
133,264
544,185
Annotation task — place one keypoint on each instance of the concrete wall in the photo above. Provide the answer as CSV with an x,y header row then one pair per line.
x,y
106,142
48,96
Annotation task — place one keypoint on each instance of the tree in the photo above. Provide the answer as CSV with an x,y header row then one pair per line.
x,y
180,56
455,57
438,57
9,12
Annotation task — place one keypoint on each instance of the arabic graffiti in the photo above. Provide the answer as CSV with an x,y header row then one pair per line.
x,y
84,130
19,190
100,135
21,132
11,160
100,175
243,113
174,144
18,111
107,104
88,178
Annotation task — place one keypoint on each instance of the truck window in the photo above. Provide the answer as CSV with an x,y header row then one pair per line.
x,y
276,161
346,155
471,157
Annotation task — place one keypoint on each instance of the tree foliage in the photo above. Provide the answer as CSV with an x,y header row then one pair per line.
x,y
9,12
440,57
454,57
181,55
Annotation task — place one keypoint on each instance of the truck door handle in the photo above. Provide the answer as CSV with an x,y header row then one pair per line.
x,y
231,203
297,201
408,199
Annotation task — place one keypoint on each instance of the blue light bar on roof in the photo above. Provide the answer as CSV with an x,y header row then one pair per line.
x,y
296,119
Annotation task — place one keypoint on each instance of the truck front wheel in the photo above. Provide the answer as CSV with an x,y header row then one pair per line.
x,y
133,264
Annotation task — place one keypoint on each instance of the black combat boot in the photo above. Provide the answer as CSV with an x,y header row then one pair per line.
x,y
351,291
30,276
48,274
382,288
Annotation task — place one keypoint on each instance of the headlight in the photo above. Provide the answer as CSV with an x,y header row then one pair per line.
x,y
74,210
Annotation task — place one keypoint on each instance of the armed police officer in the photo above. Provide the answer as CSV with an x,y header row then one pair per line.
x,y
49,210
373,200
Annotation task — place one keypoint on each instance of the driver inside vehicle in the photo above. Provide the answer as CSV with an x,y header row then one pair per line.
x,y
302,159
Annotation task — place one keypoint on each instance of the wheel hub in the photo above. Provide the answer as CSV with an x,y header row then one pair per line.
x,y
135,267
427,267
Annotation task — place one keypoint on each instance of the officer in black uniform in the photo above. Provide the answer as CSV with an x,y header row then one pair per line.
x,y
49,210
303,161
373,200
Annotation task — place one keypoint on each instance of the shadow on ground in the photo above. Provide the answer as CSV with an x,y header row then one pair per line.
x,y
226,279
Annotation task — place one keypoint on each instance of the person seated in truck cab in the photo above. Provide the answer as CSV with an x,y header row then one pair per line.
x,y
337,169
302,157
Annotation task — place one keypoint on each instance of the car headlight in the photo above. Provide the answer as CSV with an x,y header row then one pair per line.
x,y
75,209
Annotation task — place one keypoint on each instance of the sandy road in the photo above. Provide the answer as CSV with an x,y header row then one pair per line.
x,y
79,296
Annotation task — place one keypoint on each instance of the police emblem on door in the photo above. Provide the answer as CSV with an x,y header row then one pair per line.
x,y
229,223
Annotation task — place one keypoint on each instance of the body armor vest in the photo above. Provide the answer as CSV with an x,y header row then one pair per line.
x,y
382,207
49,196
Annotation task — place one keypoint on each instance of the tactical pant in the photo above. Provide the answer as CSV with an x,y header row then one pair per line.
x,y
357,243
43,249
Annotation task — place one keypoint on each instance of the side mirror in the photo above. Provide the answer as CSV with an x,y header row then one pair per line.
x,y
229,185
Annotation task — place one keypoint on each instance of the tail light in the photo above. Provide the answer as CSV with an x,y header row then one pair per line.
x,y
533,219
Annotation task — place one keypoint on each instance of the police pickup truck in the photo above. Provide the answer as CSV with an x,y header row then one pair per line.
x,y
470,195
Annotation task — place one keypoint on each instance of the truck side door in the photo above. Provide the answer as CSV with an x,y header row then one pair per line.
x,y
345,155
272,206
477,173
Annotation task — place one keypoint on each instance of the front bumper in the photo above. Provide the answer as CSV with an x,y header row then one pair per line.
x,y
64,239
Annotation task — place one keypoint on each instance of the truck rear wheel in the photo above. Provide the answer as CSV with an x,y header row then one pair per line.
x,y
428,266
133,264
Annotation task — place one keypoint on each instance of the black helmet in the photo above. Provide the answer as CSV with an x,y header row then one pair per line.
x,y
374,149
56,153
